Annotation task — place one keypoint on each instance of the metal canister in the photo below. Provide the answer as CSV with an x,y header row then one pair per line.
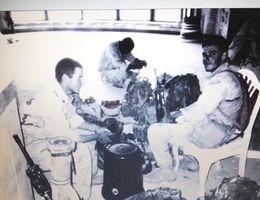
x,y
122,171
61,149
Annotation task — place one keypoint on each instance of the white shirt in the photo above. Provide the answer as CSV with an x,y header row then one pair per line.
x,y
220,100
49,114
112,58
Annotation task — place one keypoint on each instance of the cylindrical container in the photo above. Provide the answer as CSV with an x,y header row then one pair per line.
x,y
60,149
122,171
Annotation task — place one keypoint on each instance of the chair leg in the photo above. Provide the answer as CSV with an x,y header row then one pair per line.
x,y
218,165
177,158
242,164
203,174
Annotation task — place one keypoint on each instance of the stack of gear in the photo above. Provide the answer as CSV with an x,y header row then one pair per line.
x,y
111,108
137,94
236,188
182,91
140,105
158,194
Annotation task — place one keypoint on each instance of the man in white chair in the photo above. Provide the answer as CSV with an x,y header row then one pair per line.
x,y
211,121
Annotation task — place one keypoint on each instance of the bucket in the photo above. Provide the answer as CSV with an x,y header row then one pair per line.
x,y
122,171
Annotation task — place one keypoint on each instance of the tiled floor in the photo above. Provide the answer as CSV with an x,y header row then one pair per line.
x,y
32,58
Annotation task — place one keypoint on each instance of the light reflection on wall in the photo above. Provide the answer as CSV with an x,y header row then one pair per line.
x,y
167,15
173,15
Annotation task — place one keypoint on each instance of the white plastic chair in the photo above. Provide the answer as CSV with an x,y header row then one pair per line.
x,y
238,147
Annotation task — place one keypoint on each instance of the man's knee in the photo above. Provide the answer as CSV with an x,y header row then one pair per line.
x,y
152,133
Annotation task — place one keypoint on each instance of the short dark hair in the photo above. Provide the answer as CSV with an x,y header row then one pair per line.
x,y
127,44
66,66
216,40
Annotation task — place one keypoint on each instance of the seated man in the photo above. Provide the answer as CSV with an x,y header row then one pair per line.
x,y
209,122
49,113
117,61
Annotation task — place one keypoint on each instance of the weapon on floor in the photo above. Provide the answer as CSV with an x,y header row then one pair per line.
x,y
35,173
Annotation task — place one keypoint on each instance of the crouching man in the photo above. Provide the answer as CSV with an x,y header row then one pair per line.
x,y
117,62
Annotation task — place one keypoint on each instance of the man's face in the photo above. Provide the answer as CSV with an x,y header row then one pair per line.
x,y
212,57
76,81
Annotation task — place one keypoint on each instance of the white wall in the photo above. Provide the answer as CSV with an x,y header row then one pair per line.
x,y
14,184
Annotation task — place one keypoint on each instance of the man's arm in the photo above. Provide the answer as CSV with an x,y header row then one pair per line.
x,y
130,57
87,138
102,137
116,58
98,133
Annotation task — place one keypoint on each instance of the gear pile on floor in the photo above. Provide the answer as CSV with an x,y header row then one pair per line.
x,y
161,193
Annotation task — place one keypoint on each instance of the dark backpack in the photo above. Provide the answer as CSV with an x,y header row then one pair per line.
x,y
161,193
183,90
236,188
246,108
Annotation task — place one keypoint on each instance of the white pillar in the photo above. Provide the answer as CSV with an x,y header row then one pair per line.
x,y
60,149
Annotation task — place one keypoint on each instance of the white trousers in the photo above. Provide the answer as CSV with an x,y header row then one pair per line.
x,y
114,76
204,135
160,135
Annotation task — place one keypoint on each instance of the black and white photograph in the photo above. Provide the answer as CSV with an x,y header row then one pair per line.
x,y
149,103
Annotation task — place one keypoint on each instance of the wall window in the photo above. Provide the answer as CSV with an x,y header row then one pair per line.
x,y
99,14
140,15
160,15
64,15
28,16
171,15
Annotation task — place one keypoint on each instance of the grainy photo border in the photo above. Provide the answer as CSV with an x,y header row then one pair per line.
x,y
112,4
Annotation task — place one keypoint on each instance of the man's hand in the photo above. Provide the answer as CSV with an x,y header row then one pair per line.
x,y
182,120
134,66
144,63
103,136
137,64
175,114
140,62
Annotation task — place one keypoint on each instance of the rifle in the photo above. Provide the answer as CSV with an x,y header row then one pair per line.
x,y
159,98
35,174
